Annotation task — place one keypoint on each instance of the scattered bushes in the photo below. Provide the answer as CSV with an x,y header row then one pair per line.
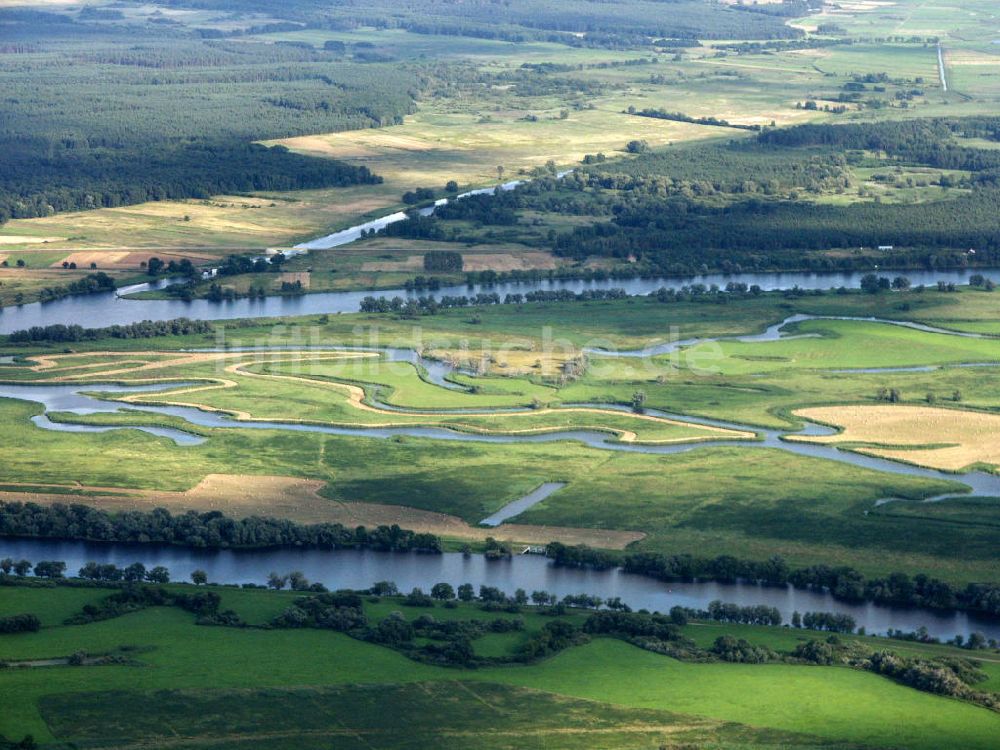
x,y
23,623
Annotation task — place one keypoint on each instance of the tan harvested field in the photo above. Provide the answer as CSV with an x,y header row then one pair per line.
x,y
226,223
411,263
84,259
299,500
507,261
303,277
432,148
947,439
19,239
508,361
128,260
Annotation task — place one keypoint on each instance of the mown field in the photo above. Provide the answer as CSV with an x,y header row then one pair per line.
x,y
194,686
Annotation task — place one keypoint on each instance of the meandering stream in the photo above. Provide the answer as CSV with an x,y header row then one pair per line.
x,y
70,397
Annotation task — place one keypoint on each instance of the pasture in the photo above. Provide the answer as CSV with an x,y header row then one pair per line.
x,y
214,682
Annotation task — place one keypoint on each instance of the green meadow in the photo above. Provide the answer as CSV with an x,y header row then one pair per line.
x,y
203,686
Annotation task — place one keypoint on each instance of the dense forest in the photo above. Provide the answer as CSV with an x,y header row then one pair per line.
x,y
608,24
121,115
749,204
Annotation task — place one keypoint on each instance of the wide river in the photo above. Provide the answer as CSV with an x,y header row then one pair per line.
x,y
360,569
104,309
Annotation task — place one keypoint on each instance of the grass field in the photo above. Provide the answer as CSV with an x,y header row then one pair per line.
x,y
207,687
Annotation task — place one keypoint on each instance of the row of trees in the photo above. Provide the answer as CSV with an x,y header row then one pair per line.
x,y
430,305
842,582
204,530
146,329
662,114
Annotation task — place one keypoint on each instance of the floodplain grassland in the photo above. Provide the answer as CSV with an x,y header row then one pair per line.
x,y
213,680
819,511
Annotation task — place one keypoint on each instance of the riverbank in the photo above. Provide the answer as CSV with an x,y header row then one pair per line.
x,y
359,568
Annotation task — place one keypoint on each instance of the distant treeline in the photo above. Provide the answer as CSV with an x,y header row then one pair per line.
x,y
145,329
211,530
843,582
38,180
662,114
629,21
430,305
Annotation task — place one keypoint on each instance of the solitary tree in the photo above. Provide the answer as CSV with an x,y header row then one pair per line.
x,y
199,577
22,568
384,588
540,597
277,582
298,581
638,401
159,574
466,593
50,569
443,591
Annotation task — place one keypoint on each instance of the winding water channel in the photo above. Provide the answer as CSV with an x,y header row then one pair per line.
x,y
72,398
